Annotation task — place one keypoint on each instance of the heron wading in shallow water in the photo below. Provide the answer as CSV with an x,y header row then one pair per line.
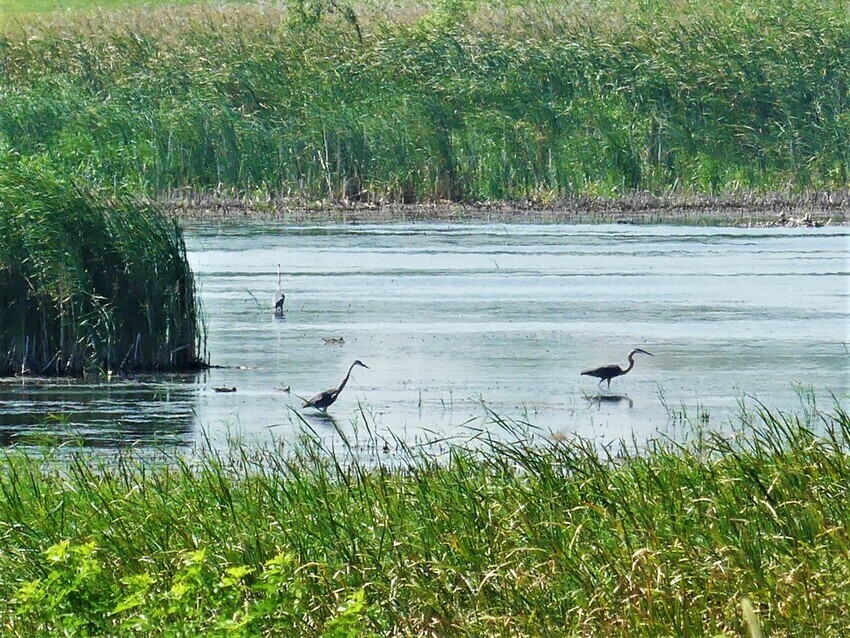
x,y
606,373
324,399
279,297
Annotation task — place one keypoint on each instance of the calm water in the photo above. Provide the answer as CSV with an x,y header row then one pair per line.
x,y
458,320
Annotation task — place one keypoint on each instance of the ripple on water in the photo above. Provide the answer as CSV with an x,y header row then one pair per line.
x,y
456,320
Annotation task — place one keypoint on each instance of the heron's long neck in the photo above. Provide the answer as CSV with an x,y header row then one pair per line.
x,y
631,363
345,380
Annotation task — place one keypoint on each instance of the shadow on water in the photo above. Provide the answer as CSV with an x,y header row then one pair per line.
x,y
609,399
99,414
320,418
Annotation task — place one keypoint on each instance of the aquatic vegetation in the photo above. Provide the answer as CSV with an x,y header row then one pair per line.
x,y
89,284
510,535
465,101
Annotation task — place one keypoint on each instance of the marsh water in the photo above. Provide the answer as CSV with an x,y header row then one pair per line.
x,y
459,323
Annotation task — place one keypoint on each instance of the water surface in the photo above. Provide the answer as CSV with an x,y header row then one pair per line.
x,y
456,320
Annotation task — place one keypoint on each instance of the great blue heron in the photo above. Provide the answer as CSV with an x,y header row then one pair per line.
x,y
324,399
606,373
279,297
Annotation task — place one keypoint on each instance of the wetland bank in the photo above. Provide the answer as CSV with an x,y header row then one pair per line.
x,y
716,518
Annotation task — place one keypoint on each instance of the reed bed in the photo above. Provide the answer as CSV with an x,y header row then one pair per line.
x,y
89,284
466,101
513,535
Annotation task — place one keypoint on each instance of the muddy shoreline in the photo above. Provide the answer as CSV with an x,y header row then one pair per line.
x,y
777,210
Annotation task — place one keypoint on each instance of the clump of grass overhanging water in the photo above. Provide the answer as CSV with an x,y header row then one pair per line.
x,y
463,100
515,536
89,284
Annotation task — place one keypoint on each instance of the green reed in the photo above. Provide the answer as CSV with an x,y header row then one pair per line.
x,y
89,284
511,535
465,101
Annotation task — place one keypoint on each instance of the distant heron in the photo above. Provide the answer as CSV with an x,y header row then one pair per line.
x,y
606,373
324,399
279,297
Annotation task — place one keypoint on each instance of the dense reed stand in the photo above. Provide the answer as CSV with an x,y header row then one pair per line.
x,y
488,101
89,284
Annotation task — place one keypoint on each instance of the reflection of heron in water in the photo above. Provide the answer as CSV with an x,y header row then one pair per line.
x,y
599,399
321,416
324,399
279,297
606,373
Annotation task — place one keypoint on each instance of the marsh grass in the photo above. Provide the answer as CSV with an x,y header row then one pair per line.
x,y
512,535
466,101
89,284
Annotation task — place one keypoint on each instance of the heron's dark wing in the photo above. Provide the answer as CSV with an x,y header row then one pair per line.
x,y
323,399
315,399
603,372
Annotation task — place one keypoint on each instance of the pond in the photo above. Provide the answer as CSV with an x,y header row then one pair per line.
x,y
459,323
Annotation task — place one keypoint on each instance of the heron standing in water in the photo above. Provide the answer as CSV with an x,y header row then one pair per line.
x,y
279,297
324,399
606,373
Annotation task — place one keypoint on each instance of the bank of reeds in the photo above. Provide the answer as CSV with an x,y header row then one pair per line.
x,y
89,284
514,536
467,101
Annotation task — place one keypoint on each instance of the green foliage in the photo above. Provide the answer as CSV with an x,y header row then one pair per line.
x,y
68,595
86,283
735,531
16,10
198,597
310,14
538,102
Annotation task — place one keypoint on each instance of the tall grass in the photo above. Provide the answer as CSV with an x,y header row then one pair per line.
x,y
466,101
508,537
89,284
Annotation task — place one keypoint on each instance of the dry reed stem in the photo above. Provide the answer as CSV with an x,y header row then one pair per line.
x,y
745,209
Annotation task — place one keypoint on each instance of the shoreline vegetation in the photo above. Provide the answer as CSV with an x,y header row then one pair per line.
x,y
90,284
455,101
810,209
519,534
